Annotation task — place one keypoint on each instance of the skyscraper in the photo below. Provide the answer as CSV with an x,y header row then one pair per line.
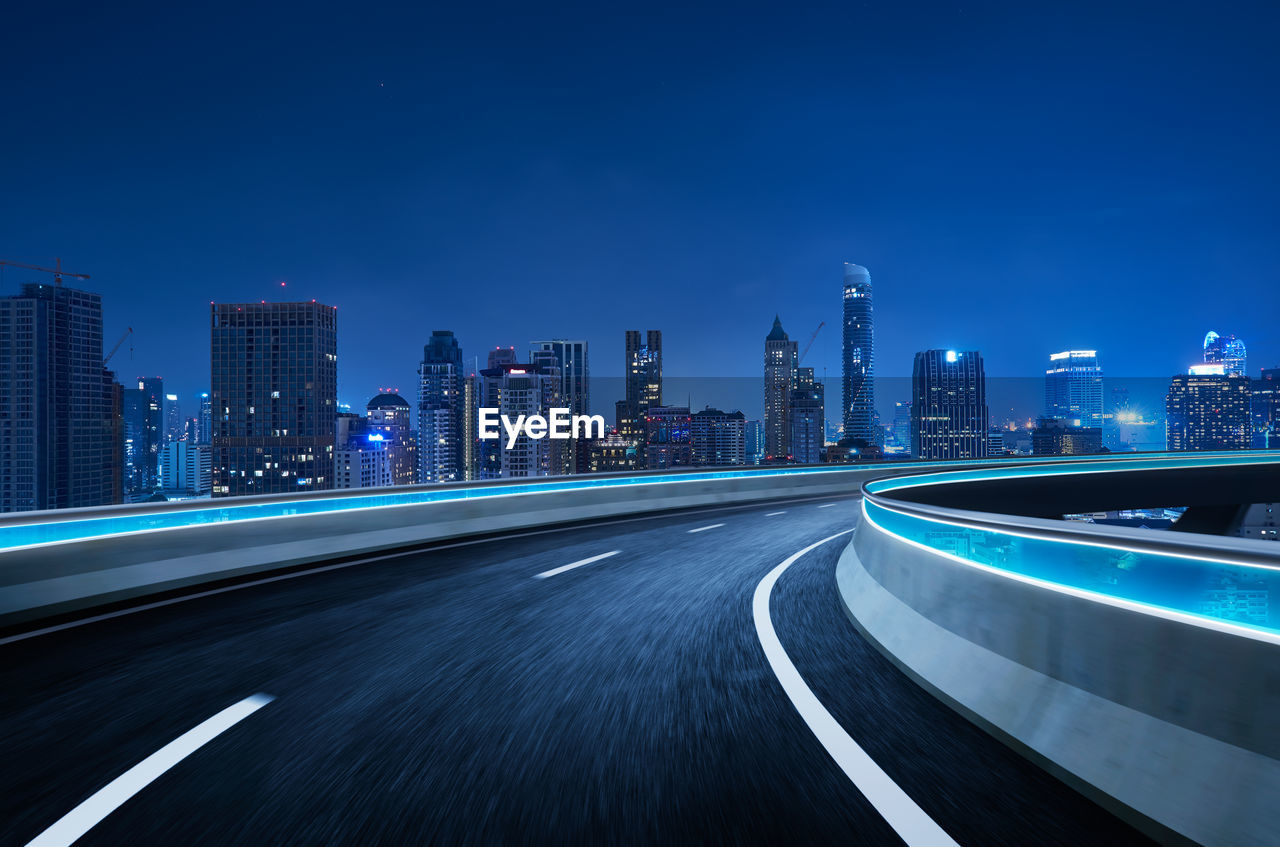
x,y
274,387
362,456
204,430
806,415
388,416
173,425
857,357
575,372
58,444
1208,411
440,404
781,359
1265,405
1226,350
186,468
668,437
949,412
1073,388
515,390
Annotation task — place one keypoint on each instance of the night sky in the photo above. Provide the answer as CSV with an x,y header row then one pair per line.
x,y
1019,178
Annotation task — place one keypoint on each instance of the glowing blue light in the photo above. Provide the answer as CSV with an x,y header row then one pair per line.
x,y
951,355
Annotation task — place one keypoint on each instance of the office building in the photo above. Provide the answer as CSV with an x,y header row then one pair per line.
x,y
560,452
858,358
440,404
1208,411
754,442
515,390
901,429
274,395
186,469
59,444
387,414
361,456
949,414
613,453
148,409
174,428
1225,350
668,441
1264,402
471,389
1073,388
204,428
575,371
781,359
642,370
1056,437
806,414
717,439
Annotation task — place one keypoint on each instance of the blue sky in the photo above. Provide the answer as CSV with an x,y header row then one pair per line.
x,y
1019,178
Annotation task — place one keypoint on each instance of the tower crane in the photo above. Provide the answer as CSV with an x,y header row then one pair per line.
x,y
57,271
812,339
128,332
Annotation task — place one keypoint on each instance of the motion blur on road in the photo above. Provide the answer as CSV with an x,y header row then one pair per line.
x,y
484,692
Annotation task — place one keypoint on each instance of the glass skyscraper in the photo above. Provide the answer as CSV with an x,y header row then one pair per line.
x,y
1208,412
857,357
274,393
1226,350
949,412
440,404
1073,388
58,432
781,359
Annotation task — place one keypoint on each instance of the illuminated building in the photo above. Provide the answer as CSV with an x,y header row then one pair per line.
x,y
59,440
949,412
274,395
806,413
1056,437
717,438
361,458
780,363
388,416
1226,350
668,439
857,357
440,401
1208,410
1073,388
186,468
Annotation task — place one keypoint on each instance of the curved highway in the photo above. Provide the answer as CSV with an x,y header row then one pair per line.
x,y
488,692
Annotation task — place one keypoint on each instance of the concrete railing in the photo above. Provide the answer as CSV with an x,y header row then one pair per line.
x,y
1142,667
57,562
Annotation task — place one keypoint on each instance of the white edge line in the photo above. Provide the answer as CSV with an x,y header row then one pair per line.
x,y
1084,594
771,514
576,564
911,823
705,528
110,797
827,505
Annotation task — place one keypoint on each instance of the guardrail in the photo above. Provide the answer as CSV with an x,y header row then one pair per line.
x,y
1141,666
53,563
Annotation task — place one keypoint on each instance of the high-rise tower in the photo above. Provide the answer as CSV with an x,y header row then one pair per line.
x,y
1226,350
781,359
857,357
1073,388
949,405
440,403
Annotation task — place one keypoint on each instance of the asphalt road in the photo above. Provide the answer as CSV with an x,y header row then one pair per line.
x,y
451,696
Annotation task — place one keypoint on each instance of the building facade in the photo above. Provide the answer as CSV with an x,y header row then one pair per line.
x,y
274,395
1073,388
387,414
806,416
1226,350
1208,412
668,441
59,445
440,404
187,469
949,414
781,360
362,457
858,357
718,439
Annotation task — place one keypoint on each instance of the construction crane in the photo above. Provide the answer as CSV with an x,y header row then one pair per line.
x,y
812,339
128,332
57,271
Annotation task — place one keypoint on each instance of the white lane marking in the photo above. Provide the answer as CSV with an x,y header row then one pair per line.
x,y
576,564
771,514
828,505
88,814
705,528
900,811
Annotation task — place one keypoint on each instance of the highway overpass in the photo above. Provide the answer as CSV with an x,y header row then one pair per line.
x,y
641,658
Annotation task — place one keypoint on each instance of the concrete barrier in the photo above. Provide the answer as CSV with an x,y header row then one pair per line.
x,y
1168,721
42,580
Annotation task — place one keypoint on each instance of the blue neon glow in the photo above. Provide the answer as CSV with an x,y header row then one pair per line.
x,y
1243,595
